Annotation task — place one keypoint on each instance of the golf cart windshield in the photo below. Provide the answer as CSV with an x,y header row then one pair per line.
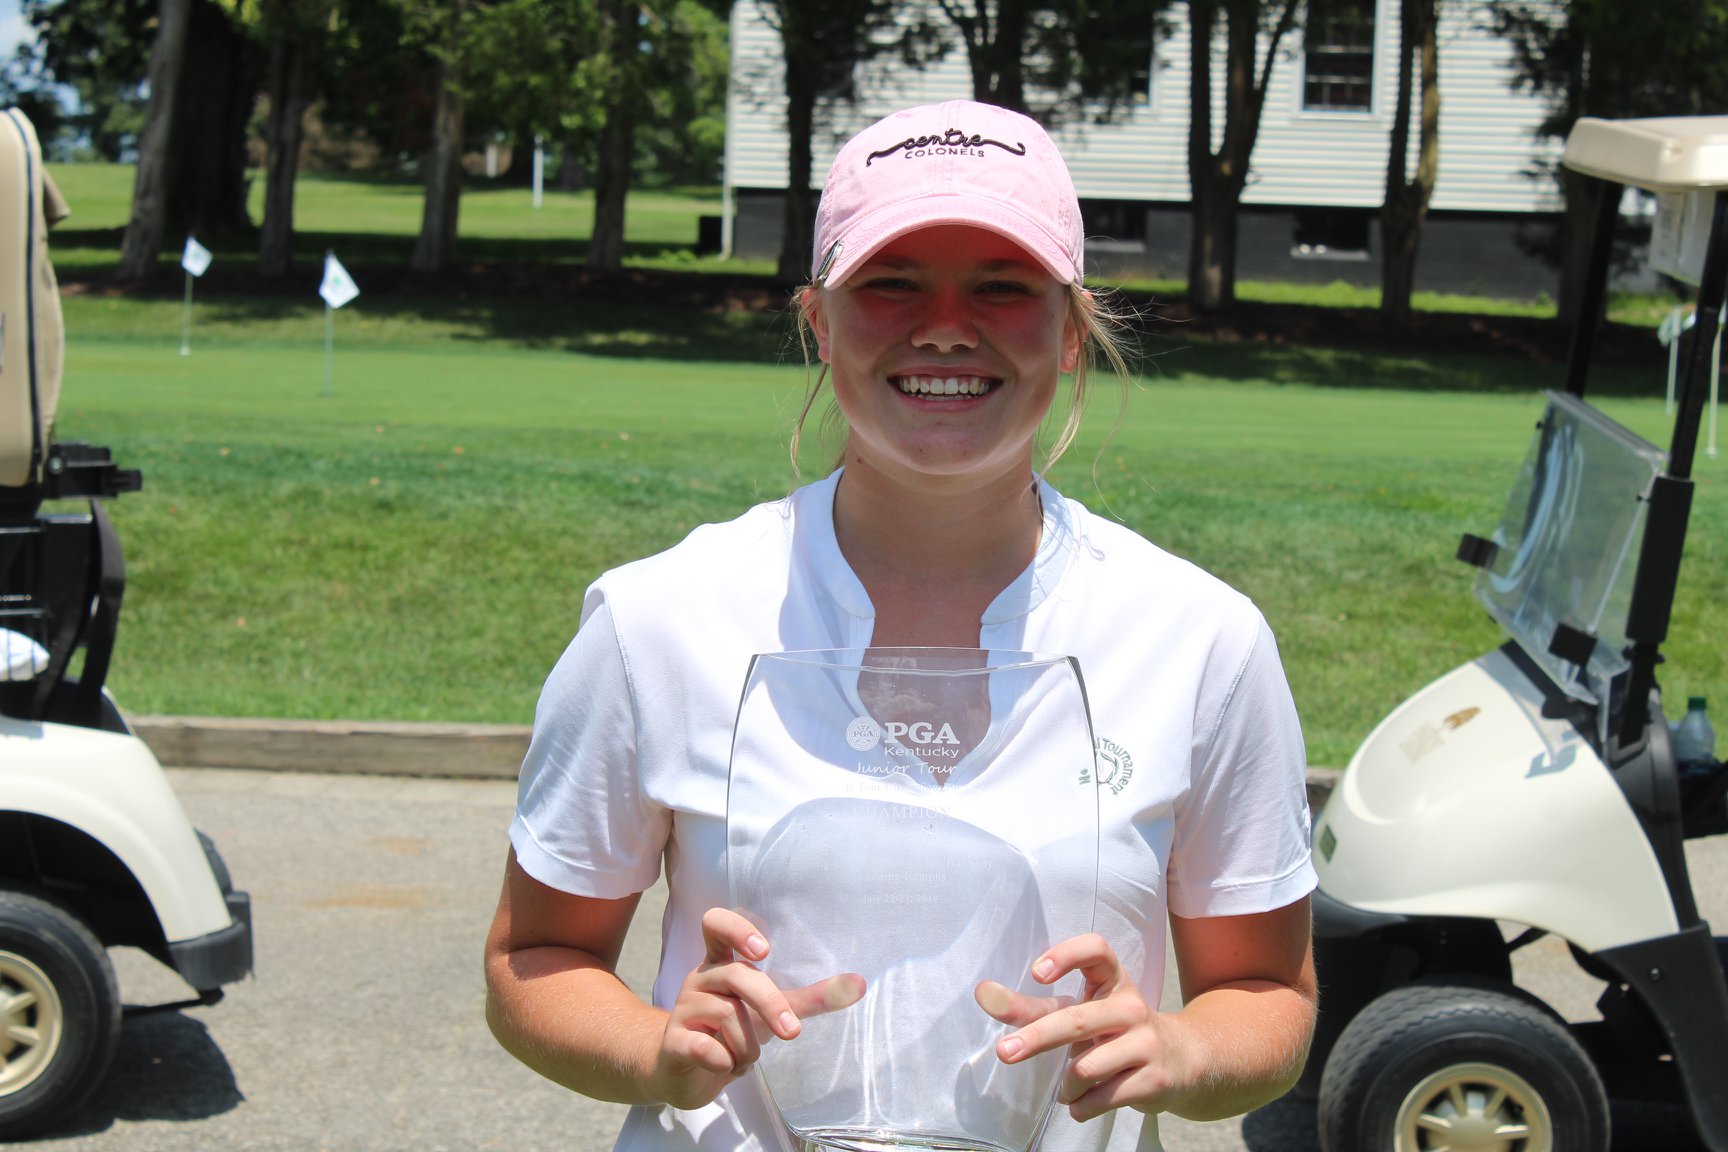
x,y
1567,547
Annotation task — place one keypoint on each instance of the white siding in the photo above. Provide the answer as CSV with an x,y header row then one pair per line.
x,y
1301,158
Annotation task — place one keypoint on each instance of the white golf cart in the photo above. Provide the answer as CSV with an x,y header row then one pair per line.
x,y
95,849
1536,786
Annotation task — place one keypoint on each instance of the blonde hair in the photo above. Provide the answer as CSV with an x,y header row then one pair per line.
x,y
1096,315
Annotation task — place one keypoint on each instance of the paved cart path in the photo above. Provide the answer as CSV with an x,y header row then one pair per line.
x,y
362,1030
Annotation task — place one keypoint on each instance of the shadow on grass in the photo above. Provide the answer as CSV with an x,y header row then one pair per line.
x,y
539,294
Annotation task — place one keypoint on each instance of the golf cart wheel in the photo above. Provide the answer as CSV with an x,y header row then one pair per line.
x,y
1460,1068
59,1014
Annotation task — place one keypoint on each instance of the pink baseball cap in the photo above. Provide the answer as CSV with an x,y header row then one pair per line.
x,y
956,163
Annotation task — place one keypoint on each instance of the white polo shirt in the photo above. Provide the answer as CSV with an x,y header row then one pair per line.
x,y
1201,769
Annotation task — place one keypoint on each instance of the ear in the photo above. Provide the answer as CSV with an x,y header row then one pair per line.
x,y
1072,340
811,298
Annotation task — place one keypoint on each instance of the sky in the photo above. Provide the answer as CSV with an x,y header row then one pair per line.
x,y
12,26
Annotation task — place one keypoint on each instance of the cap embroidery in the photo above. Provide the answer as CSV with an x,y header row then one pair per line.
x,y
951,142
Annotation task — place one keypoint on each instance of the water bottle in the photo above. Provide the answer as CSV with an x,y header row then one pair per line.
x,y
1694,738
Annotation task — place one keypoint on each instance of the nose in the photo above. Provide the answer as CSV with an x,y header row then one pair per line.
x,y
948,324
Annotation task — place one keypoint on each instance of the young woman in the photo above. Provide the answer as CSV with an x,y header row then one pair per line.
x,y
946,307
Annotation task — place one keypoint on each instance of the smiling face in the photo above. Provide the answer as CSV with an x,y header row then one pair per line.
x,y
945,348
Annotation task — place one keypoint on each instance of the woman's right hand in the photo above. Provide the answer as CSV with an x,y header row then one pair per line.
x,y
727,1007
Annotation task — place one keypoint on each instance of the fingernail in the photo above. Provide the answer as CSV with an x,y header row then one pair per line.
x,y
1044,969
1010,1047
788,1024
756,946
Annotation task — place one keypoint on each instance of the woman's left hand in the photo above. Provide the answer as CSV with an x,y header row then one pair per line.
x,y
1237,1042
1124,1052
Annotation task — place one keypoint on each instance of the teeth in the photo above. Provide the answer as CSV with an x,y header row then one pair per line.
x,y
945,385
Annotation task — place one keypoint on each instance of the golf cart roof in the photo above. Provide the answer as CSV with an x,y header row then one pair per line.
x,y
1668,154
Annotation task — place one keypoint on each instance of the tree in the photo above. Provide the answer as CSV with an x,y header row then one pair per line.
x,y
1056,61
101,50
218,86
1407,193
296,30
1608,58
1216,178
623,20
443,25
144,228
821,46
995,33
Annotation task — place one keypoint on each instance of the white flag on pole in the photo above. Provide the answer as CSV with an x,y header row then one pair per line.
x,y
196,258
338,287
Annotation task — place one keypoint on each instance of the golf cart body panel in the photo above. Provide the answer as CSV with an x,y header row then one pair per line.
x,y
110,788
1470,761
1537,785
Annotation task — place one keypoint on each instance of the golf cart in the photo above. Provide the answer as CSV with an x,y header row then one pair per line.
x,y
95,849
1536,786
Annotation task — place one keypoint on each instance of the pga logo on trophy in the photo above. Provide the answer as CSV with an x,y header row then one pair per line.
x,y
935,888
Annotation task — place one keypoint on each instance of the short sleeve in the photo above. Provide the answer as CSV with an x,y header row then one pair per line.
x,y
1241,840
582,824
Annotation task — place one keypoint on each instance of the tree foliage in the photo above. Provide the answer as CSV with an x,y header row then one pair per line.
x,y
1617,60
1059,60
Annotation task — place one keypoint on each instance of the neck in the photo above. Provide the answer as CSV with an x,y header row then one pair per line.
x,y
933,554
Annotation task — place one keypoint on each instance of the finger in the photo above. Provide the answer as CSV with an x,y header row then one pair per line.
x,y
1090,955
1125,1089
829,995
736,1029
1075,1024
754,990
699,1049
726,934
1015,1008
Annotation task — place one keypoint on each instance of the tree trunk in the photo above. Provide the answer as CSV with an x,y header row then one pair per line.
x,y
443,163
1406,205
617,151
1216,179
152,180
283,134
995,38
207,153
798,220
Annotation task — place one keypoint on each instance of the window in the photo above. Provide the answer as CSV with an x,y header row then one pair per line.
x,y
1338,49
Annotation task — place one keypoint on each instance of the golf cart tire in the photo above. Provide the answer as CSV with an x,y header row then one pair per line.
x,y
59,1014
1403,1064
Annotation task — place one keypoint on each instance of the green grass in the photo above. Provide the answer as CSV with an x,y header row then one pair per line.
x,y
416,545
378,220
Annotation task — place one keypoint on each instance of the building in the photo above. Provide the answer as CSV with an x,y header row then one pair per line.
x,y
1310,212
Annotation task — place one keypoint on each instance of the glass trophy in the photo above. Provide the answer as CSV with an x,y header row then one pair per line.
x,y
924,818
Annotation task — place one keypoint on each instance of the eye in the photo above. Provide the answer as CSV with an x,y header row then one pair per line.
x,y
1006,287
887,283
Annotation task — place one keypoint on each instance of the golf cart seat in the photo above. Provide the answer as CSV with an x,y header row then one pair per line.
x,y
61,574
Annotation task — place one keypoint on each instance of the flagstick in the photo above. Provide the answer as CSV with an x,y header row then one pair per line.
x,y
539,169
186,320
329,342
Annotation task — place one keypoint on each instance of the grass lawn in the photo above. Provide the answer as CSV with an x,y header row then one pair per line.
x,y
416,545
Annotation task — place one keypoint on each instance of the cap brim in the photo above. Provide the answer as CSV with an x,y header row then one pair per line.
x,y
868,236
